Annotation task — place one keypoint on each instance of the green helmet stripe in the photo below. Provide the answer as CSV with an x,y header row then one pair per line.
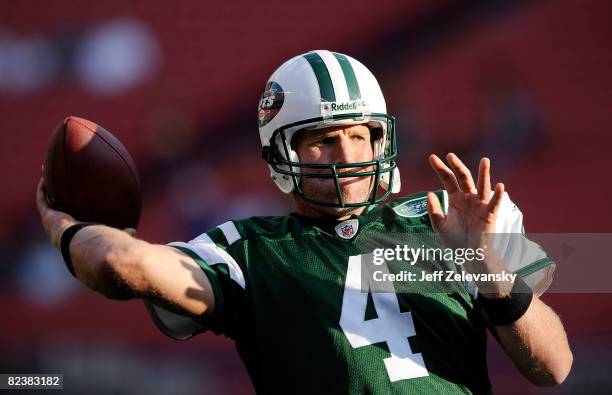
x,y
349,76
326,88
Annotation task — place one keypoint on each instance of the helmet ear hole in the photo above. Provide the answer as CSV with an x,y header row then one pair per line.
x,y
283,181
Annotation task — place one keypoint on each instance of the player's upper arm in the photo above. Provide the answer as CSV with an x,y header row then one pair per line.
x,y
174,281
216,277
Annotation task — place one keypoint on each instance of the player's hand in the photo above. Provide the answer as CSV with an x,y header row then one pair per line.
x,y
54,222
472,211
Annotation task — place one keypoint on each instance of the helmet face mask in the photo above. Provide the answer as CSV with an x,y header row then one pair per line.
x,y
322,89
379,167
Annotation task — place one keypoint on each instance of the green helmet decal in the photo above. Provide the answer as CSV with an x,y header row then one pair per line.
x,y
323,78
349,76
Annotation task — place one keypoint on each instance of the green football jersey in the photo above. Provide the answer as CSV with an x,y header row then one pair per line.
x,y
290,291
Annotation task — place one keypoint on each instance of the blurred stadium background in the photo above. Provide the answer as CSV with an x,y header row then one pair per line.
x,y
526,83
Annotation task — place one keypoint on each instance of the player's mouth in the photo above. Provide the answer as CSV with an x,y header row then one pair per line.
x,y
351,180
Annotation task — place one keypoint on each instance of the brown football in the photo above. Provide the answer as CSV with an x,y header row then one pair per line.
x,y
90,175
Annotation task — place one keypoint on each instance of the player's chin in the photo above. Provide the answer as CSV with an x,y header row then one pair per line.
x,y
348,185
353,190
360,197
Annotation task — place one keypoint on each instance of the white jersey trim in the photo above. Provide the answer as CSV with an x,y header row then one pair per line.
x,y
206,249
230,232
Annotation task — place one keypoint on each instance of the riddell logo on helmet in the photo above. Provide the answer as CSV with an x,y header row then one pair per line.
x,y
357,105
343,106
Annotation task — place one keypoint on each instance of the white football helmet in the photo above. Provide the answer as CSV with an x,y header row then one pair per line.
x,y
316,90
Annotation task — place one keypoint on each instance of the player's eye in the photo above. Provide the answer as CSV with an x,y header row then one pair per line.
x,y
324,141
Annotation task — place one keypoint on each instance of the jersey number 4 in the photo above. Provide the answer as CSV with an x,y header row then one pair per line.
x,y
391,326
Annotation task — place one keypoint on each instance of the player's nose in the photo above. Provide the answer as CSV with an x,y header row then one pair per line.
x,y
345,150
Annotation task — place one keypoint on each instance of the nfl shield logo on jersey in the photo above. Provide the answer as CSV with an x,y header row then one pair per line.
x,y
347,229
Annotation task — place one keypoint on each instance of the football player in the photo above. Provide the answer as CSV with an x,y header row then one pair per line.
x,y
289,290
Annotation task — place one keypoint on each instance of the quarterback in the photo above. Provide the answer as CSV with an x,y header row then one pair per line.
x,y
288,289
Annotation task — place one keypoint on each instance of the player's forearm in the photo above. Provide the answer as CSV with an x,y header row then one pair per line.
x,y
108,261
537,344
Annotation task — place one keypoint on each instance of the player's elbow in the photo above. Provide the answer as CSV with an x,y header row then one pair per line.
x,y
555,372
562,368
121,272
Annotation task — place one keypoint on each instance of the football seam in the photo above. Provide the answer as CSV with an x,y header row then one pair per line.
x,y
116,152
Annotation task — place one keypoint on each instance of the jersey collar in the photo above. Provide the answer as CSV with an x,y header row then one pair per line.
x,y
345,230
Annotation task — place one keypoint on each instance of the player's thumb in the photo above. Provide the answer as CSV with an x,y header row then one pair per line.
x,y
436,215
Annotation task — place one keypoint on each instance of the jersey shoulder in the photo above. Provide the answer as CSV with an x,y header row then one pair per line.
x,y
253,229
415,204
271,227
233,231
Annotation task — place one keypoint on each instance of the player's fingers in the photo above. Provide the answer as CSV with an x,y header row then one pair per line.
x,y
41,200
495,201
436,215
484,179
446,175
130,231
466,182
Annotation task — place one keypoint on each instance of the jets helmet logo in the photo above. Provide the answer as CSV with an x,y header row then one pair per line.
x,y
271,102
